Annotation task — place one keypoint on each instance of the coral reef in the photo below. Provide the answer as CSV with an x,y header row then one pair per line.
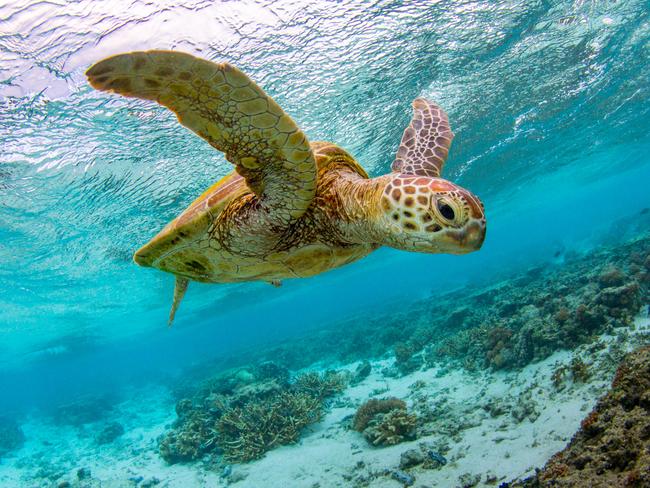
x,y
507,325
11,436
406,359
246,433
372,407
387,429
385,421
612,447
242,416
193,435
251,407
529,318
321,386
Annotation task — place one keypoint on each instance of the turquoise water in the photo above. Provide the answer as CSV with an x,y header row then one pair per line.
x,y
549,101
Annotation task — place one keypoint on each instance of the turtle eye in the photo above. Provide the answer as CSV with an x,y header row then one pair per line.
x,y
445,210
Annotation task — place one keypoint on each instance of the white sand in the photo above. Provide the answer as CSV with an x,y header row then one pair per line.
x,y
332,455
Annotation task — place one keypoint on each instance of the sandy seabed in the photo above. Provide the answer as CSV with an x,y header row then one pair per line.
x,y
491,427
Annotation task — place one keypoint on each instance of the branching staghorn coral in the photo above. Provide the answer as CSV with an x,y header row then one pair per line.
x,y
192,438
246,433
321,386
250,420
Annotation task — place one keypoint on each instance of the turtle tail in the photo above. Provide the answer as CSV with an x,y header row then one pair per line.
x,y
179,292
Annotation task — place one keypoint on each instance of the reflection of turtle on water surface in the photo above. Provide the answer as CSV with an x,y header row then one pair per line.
x,y
291,208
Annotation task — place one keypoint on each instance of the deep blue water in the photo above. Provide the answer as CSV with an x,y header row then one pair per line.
x,y
549,102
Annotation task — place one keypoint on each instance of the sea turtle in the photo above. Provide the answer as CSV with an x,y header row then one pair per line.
x,y
290,208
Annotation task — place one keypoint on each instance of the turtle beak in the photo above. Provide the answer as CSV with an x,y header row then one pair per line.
x,y
473,236
462,241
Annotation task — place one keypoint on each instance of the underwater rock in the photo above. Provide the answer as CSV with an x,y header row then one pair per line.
x,y
84,410
405,360
404,478
361,373
612,447
109,433
467,480
244,376
226,471
437,459
244,394
624,297
237,476
410,458
491,478
11,436
83,473
458,317
526,407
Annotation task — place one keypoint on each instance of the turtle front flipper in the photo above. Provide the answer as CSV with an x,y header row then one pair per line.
x,y
425,142
222,105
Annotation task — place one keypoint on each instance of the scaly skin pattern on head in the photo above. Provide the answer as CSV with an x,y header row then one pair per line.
x,y
431,215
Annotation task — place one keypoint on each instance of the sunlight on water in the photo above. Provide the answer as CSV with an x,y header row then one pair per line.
x,y
101,174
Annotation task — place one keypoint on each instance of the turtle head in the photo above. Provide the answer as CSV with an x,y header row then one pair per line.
x,y
431,215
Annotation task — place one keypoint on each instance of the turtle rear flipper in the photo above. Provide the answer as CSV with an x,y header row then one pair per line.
x,y
179,292
425,142
223,106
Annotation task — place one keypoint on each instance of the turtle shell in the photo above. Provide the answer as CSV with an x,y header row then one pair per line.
x,y
194,222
